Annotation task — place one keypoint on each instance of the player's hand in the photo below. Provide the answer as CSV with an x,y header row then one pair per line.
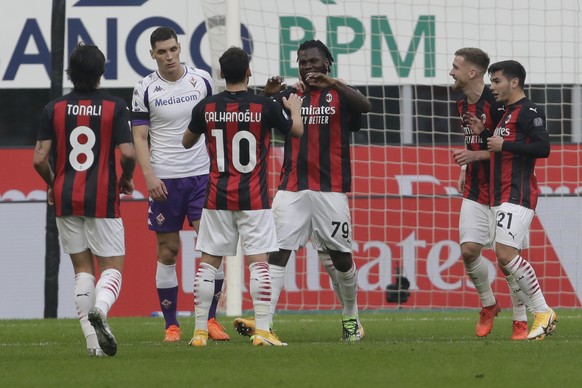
x,y
495,143
274,85
156,188
473,122
319,80
464,156
292,102
126,186
299,86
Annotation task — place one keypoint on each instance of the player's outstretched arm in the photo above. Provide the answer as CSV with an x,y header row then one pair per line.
x,y
273,86
356,100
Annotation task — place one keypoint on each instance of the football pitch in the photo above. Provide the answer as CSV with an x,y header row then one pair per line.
x,y
400,349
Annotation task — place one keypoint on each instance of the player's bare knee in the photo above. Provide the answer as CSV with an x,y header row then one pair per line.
x,y
470,252
167,253
342,261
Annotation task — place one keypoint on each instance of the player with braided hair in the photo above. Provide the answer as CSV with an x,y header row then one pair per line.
x,y
315,177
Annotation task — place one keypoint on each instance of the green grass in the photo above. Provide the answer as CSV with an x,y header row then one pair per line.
x,y
401,349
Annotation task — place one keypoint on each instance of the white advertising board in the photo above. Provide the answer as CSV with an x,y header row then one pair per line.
x,y
374,42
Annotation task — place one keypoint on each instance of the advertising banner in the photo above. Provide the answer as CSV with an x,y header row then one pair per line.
x,y
405,215
373,42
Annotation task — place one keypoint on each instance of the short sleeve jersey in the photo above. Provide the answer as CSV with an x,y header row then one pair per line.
x,y
320,159
85,128
477,174
513,177
238,135
165,107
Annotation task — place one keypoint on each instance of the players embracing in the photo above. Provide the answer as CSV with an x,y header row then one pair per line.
x,y
518,140
311,201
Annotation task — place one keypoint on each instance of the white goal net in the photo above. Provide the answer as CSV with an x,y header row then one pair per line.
x,y
404,200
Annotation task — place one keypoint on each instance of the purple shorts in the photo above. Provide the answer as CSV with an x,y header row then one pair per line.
x,y
185,199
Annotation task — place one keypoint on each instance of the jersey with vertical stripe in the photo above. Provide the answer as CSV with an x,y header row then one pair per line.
x,y
513,177
320,159
238,136
166,107
477,173
85,128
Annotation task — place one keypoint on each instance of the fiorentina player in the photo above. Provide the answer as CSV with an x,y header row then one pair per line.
x,y
176,178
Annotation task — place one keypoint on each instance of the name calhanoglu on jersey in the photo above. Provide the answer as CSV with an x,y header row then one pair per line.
x,y
83,110
233,117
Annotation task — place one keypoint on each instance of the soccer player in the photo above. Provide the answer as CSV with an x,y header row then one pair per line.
x,y
519,139
238,125
316,175
478,106
176,178
81,131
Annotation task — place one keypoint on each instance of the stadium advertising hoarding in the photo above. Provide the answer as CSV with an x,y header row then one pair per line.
x,y
405,215
374,43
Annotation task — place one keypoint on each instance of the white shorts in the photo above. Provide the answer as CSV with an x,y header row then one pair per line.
x,y
510,225
474,221
105,237
220,230
324,216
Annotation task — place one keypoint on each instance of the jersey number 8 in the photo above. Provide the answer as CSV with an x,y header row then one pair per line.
x,y
82,141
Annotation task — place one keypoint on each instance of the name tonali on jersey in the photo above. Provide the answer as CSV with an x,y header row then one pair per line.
x,y
89,110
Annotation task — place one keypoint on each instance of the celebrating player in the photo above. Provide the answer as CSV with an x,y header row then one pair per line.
x,y
519,139
238,125
315,177
479,108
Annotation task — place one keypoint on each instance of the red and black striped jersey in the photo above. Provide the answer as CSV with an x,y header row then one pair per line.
x,y
237,128
85,128
525,138
477,174
320,159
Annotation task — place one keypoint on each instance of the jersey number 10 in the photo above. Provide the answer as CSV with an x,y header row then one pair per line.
x,y
218,134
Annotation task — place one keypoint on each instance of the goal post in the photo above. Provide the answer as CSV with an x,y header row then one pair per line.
x,y
220,38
